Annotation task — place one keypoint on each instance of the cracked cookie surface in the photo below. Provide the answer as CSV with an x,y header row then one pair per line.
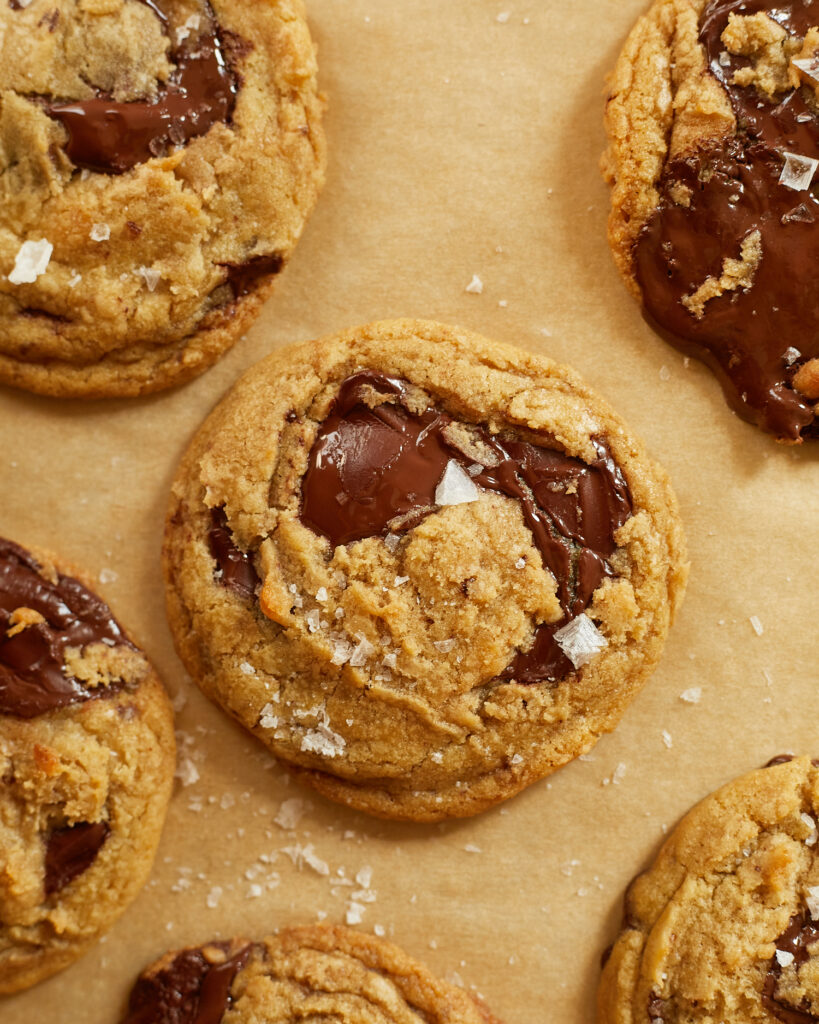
x,y
424,569
713,128
316,973
158,161
724,925
87,762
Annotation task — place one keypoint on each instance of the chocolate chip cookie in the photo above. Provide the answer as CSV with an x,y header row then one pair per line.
x,y
158,160
424,569
318,973
724,926
87,761
713,129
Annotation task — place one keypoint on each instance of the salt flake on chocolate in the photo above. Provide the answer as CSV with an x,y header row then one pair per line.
x,y
455,487
798,172
581,640
31,261
784,958
809,67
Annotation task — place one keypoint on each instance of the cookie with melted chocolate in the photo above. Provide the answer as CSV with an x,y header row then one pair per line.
x,y
713,126
423,569
158,161
321,972
87,762
725,924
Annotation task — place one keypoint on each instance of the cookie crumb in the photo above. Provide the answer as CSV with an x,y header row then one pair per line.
x,y
31,261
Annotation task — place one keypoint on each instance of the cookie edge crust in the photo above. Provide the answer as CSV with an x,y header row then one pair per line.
x,y
41,963
645,477
694,842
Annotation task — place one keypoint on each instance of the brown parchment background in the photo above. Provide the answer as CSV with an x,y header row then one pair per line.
x,y
459,145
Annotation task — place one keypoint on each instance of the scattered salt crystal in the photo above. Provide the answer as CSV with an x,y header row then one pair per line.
x,y
475,286
567,869
692,695
580,640
254,891
783,958
290,813
378,929
437,756
74,280
392,540
812,901
150,276
444,646
667,738
455,487
503,17
811,824
725,59
322,740
187,772
363,652
756,625
364,876
472,848
503,303
355,913
31,261
475,469
342,650
182,33
520,564
665,373
618,773
108,576
321,594
798,172
247,669
790,355
390,661
100,233
516,759
214,896
313,620
809,67
400,580
268,719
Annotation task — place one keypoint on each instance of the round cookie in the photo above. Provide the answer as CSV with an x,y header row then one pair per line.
x,y
724,926
424,569
158,160
87,761
713,127
310,973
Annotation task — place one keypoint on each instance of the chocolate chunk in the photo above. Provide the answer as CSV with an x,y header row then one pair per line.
x,y
779,759
372,470
189,990
799,934
111,137
732,190
243,277
33,678
238,573
70,851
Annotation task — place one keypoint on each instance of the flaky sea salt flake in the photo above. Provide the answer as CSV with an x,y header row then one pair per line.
x,y
290,813
362,653
692,696
100,233
187,772
812,901
503,17
475,286
756,625
31,261
581,640
784,958
150,276
667,739
355,913
268,719
798,172
809,66
455,487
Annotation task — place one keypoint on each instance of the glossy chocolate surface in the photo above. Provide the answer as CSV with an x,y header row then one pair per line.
x,y
373,470
72,850
235,565
800,933
111,137
33,679
189,990
743,335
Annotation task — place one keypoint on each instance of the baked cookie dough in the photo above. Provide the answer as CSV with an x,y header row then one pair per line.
x,y
87,762
158,160
422,568
311,973
713,129
724,926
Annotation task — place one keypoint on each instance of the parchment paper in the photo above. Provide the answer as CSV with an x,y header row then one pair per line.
x,y
461,142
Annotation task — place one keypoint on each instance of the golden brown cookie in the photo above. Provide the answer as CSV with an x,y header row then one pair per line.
x,y
311,973
158,160
87,762
713,129
724,926
422,568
